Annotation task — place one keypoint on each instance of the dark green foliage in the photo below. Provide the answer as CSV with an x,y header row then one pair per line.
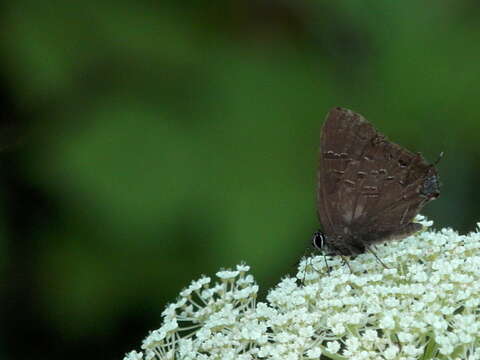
x,y
155,141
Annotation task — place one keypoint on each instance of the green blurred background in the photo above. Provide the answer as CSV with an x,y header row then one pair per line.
x,y
145,143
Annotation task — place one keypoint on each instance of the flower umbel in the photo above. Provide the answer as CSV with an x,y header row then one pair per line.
x,y
425,305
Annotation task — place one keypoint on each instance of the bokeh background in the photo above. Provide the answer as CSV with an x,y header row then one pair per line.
x,y
144,143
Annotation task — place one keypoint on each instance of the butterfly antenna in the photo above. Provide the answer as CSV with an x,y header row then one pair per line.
x,y
440,156
378,259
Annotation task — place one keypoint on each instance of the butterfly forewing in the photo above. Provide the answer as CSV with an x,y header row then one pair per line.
x,y
343,138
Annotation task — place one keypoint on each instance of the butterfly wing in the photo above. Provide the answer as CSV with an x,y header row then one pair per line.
x,y
369,188
344,137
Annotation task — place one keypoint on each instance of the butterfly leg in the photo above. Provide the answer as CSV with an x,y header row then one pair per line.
x,y
345,261
378,259
326,263
306,264
398,342
304,273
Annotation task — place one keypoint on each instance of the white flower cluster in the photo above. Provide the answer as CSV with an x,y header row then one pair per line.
x,y
424,305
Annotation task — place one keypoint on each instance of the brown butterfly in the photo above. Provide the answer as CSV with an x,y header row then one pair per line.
x,y
369,189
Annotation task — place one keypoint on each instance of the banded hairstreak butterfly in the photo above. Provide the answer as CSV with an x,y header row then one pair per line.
x,y
369,189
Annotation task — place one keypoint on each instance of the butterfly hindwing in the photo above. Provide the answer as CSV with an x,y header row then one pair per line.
x,y
369,189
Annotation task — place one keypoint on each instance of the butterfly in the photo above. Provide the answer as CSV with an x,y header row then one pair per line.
x,y
369,189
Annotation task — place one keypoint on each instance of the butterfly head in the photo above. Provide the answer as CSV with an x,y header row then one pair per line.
x,y
334,245
319,240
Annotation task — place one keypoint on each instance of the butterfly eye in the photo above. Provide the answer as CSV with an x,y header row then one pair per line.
x,y
318,240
